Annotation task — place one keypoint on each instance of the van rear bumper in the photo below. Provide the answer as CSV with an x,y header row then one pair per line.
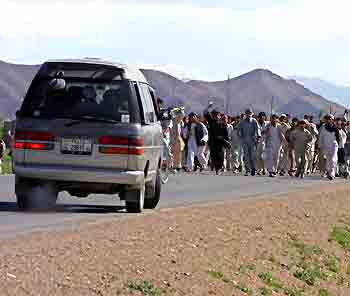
x,y
93,175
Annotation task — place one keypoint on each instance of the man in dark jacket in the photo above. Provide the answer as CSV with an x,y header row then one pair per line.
x,y
218,141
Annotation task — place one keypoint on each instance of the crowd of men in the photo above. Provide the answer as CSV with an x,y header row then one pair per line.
x,y
256,145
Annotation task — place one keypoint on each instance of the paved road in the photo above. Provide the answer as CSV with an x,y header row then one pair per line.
x,y
180,191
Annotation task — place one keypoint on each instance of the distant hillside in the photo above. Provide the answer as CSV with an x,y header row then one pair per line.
x,y
14,81
336,93
174,91
258,89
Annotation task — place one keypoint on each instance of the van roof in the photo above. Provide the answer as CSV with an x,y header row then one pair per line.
x,y
130,72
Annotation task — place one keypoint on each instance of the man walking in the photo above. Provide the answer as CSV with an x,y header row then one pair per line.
x,y
301,140
329,143
197,135
274,138
314,132
343,169
284,155
228,154
176,140
261,155
218,142
321,154
236,147
250,135
291,164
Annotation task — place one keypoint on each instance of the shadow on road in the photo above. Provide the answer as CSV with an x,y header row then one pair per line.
x,y
66,208
88,209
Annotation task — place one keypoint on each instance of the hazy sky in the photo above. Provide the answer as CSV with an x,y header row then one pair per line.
x,y
195,39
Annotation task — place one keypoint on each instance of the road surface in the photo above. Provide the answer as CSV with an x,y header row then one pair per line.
x,y
180,191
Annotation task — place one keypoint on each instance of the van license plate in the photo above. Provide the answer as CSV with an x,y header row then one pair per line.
x,y
79,146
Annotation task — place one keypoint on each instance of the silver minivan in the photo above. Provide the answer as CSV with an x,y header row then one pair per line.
x,y
88,127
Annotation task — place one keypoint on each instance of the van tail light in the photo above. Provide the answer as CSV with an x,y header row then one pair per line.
x,y
33,146
106,140
124,146
34,136
28,140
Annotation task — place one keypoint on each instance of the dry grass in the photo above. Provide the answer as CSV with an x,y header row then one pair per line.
x,y
293,245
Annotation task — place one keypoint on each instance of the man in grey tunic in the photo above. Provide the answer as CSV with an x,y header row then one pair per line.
x,y
250,134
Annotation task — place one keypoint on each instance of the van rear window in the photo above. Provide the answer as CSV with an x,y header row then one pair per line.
x,y
81,70
78,97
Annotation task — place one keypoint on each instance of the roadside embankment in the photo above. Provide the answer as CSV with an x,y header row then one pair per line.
x,y
294,244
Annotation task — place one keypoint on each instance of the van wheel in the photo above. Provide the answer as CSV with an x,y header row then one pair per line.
x,y
153,190
134,200
22,202
38,197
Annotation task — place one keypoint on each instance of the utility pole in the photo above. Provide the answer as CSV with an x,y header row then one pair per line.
x,y
227,96
271,107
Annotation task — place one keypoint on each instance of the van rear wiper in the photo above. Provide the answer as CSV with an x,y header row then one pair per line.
x,y
79,119
97,118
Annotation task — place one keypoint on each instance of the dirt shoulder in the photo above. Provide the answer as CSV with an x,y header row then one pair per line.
x,y
296,244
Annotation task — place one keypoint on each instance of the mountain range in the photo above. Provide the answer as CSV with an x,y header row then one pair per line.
x,y
336,93
260,89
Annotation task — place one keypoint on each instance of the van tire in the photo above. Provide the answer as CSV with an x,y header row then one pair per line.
x,y
153,190
134,200
37,197
22,202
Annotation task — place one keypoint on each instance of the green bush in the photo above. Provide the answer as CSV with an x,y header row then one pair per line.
x,y
6,165
310,275
269,280
342,236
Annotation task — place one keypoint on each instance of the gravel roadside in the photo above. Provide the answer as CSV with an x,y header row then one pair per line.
x,y
265,246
